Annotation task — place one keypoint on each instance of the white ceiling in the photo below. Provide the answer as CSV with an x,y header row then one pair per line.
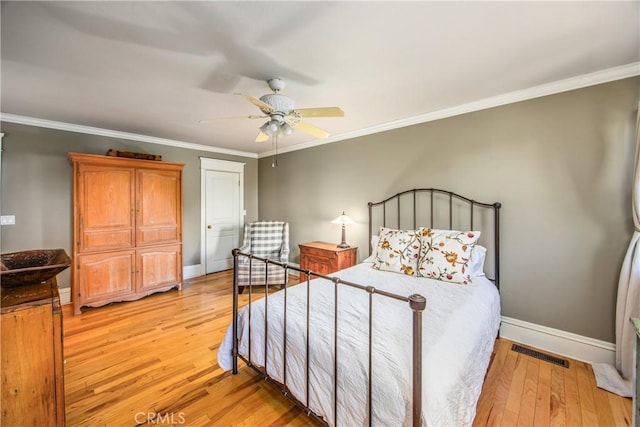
x,y
157,68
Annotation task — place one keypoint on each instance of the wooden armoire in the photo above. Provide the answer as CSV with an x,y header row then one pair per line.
x,y
127,221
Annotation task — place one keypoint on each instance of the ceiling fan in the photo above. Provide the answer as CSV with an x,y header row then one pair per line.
x,y
282,117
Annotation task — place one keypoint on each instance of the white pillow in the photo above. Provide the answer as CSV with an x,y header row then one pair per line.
x,y
374,250
476,263
398,251
444,254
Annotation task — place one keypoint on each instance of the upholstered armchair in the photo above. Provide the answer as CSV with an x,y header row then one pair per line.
x,y
265,239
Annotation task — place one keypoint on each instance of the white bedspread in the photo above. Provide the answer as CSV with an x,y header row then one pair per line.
x,y
460,324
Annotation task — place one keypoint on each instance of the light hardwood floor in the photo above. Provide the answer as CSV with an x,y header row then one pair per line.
x,y
154,361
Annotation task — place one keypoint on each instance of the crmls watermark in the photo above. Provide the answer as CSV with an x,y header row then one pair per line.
x,y
158,418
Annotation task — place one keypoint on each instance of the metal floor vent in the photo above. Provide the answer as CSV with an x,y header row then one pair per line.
x,y
540,355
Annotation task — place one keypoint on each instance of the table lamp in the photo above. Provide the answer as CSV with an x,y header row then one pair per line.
x,y
343,220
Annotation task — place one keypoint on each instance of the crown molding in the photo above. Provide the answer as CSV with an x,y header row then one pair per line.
x,y
578,82
51,124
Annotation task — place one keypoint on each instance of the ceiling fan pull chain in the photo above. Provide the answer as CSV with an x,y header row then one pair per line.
x,y
274,148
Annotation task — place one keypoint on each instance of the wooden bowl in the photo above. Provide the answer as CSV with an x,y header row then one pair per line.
x,y
32,267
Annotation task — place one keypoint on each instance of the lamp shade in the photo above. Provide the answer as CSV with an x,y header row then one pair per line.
x,y
342,219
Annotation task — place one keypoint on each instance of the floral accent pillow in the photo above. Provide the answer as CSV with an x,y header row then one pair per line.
x,y
444,254
398,251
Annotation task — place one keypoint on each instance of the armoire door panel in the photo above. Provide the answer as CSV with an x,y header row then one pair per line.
x,y
159,210
108,240
106,275
106,211
159,267
155,235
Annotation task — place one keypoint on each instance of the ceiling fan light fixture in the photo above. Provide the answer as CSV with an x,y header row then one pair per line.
x,y
265,128
273,127
286,129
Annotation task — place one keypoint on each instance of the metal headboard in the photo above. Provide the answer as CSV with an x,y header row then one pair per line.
x,y
461,211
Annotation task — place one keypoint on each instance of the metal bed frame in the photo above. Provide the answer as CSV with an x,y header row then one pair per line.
x,y
416,303
450,198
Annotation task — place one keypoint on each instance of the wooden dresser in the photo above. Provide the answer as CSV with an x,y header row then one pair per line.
x,y
325,258
31,356
127,223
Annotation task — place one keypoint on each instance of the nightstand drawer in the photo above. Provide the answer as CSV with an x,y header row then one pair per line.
x,y
325,258
318,264
319,252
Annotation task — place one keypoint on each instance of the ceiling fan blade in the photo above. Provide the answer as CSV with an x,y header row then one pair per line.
x,y
312,130
321,112
255,101
262,137
231,118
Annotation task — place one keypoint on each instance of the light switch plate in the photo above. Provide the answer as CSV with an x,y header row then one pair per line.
x,y
7,220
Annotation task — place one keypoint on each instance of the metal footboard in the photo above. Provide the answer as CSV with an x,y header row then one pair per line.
x,y
416,303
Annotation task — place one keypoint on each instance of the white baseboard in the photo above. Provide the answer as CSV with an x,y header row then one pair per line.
x,y
65,295
567,344
190,271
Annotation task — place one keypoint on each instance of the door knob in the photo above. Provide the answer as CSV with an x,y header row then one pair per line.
x,y
209,227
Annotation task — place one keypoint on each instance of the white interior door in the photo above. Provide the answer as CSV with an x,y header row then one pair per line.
x,y
222,204
222,219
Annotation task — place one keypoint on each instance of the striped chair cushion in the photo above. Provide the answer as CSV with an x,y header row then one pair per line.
x,y
267,238
274,277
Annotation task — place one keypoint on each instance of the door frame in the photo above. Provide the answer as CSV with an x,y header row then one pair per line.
x,y
207,164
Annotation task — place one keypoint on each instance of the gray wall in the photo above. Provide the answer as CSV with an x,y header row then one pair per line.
x,y
37,186
561,165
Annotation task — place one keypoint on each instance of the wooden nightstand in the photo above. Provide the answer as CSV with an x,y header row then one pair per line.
x,y
325,258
